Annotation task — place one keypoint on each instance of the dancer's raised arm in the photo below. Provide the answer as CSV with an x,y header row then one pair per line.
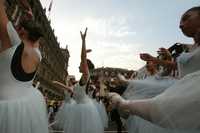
x,y
83,65
5,41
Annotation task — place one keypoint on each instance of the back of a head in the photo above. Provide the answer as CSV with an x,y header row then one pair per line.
x,y
196,8
34,30
90,65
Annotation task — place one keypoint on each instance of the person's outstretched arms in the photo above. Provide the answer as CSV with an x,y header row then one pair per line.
x,y
142,108
165,63
62,86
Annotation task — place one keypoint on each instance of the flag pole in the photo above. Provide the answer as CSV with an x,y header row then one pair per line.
x,y
49,9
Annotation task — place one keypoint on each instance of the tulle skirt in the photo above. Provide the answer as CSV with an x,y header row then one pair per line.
x,y
84,118
136,124
64,114
25,114
179,105
102,112
147,88
142,89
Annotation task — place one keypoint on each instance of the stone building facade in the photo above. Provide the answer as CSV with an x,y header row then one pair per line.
x,y
54,64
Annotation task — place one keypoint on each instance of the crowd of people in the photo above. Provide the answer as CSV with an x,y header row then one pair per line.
x,y
165,101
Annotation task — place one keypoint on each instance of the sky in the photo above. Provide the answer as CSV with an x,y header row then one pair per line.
x,y
118,30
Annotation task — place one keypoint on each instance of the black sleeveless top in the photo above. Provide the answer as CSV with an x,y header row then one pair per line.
x,y
16,66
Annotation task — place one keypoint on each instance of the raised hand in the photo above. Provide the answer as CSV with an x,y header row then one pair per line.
x,y
115,99
163,49
83,36
147,57
84,66
165,52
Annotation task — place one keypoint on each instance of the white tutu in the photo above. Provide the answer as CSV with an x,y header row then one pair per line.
x,y
84,116
136,124
141,89
26,114
64,114
147,88
179,105
102,112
